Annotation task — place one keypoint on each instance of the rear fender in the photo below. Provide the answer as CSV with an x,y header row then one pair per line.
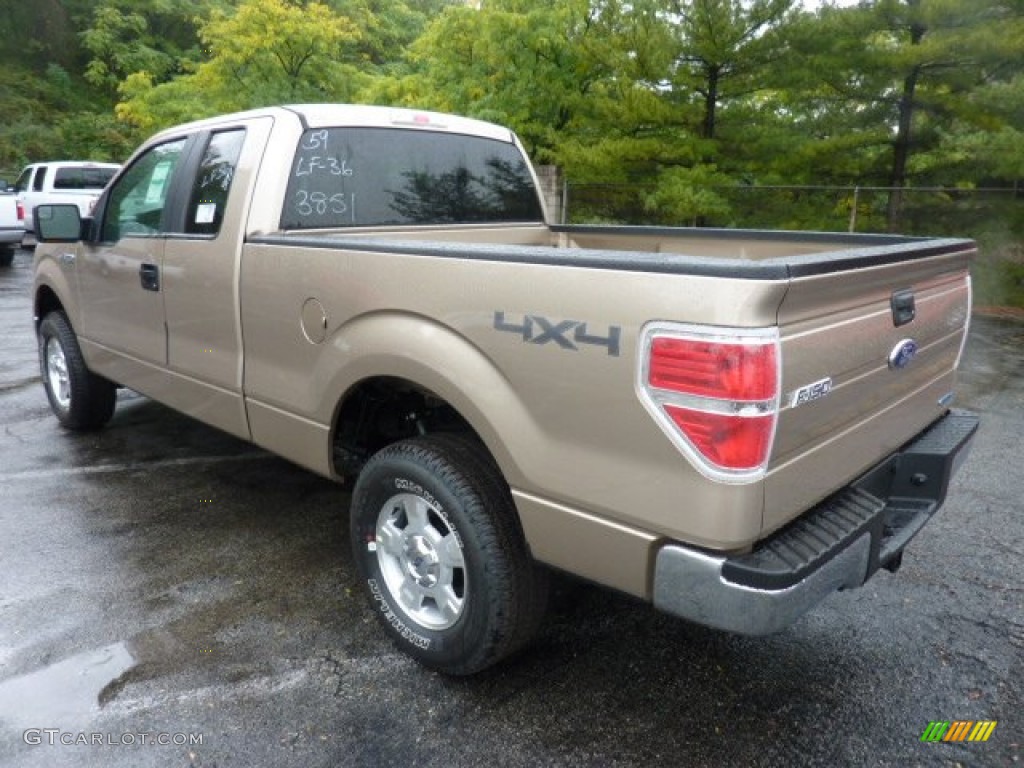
x,y
436,358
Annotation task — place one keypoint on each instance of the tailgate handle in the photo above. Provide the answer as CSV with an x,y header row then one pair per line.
x,y
903,310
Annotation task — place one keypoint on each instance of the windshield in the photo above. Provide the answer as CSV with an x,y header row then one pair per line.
x,y
21,184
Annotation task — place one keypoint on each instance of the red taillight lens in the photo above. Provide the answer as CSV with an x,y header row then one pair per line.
x,y
709,368
731,442
21,212
715,393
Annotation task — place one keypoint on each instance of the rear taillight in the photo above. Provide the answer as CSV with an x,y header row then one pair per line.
x,y
21,211
713,368
715,393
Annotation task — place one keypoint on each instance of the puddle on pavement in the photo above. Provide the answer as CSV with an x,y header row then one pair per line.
x,y
65,694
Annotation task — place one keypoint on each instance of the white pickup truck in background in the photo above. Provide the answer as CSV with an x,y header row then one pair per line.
x,y
12,228
65,181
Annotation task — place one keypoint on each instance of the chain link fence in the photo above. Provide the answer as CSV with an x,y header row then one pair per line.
x,y
929,211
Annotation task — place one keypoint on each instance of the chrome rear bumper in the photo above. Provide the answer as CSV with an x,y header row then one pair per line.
x,y
839,544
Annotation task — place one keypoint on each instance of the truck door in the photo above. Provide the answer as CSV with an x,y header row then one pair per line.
x,y
201,276
120,276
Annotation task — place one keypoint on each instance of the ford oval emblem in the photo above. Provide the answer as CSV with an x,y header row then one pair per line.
x,y
902,354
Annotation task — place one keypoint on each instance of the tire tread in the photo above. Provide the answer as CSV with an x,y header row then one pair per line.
x,y
519,585
92,397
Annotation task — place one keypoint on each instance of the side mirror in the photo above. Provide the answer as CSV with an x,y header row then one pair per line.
x,y
59,224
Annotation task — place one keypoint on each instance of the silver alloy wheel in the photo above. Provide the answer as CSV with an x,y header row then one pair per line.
x,y
420,558
57,373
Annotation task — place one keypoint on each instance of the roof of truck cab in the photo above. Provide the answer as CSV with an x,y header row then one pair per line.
x,y
358,115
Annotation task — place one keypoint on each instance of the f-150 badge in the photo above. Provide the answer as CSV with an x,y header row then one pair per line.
x,y
810,393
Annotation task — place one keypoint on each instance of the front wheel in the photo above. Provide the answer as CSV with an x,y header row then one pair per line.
x,y
437,542
80,399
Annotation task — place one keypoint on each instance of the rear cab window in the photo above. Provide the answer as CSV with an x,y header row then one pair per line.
x,y
83,178
366,177
209,194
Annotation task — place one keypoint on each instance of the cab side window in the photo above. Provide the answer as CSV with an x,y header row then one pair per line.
x,y
136,203
209,195
37,184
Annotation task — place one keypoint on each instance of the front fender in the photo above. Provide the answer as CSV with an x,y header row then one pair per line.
x,y
55,282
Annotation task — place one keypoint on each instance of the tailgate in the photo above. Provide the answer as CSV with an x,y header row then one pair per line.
x,y
868,361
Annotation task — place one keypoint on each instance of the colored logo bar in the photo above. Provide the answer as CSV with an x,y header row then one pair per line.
x,y
959,730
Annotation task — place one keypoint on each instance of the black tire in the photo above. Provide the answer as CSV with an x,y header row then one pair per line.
x,y
6,256
499,591
80,399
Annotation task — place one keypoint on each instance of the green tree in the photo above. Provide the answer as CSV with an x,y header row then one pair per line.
x,y
48,107
612,91
892,77
37,34
725,51
128,36
489,63
563,74
263,52
688,195
388,27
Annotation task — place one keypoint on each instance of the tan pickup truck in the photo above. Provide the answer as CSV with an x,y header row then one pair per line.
x,y
728,424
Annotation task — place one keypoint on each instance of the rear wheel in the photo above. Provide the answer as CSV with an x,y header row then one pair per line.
x,y
6,256
437,541
80,399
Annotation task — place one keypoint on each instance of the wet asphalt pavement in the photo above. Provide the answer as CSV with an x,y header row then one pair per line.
x,y
160,581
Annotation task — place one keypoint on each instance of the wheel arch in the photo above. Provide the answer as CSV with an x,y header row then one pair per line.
x,y
52,291
46,301
405,359
380,410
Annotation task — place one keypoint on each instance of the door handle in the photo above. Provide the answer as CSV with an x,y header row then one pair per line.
x,y
149,276
903,310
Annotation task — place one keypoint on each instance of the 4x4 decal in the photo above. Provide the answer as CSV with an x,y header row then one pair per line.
x,y
536,329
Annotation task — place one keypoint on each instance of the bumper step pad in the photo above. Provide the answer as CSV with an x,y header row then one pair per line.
x,y
788,556
891,503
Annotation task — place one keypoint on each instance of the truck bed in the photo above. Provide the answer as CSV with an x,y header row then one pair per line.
x,y
831,296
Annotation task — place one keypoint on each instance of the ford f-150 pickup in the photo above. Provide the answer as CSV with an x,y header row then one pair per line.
x,y
730,425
